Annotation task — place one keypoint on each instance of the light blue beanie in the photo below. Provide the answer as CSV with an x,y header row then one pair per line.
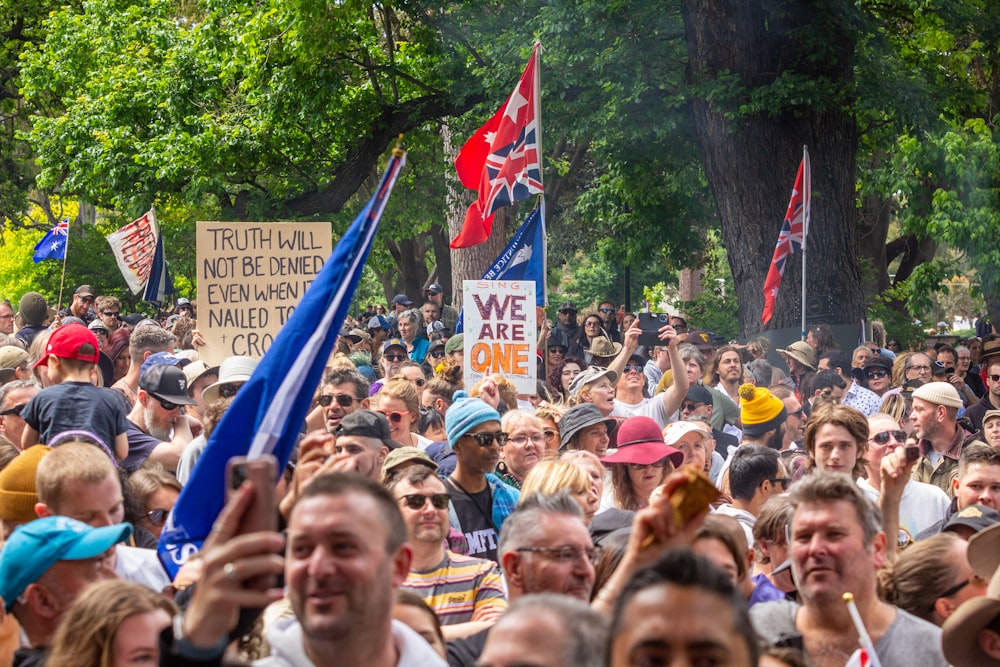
x,y
466,414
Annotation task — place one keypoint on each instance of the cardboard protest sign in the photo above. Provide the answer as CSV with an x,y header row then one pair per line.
x,y
251,276
500,325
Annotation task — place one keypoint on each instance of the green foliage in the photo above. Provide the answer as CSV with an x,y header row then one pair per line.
x,y
899,325
716,308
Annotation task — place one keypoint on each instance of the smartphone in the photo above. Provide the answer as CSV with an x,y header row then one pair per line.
x,y
263,474
650,325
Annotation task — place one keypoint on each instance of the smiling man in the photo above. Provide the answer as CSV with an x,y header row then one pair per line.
x,y
837,546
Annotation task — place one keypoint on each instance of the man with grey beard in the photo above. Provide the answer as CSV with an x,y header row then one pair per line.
x,y
158,429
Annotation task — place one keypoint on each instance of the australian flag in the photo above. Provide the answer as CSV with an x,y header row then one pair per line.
x,y
792,236
268,412
523,259
53,244
502,159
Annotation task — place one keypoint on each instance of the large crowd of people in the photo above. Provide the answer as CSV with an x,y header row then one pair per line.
x,y
687,502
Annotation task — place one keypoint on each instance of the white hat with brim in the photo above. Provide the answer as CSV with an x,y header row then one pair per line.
x,y
677,430
232,369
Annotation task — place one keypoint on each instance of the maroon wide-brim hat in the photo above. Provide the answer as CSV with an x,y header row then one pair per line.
x,y
641,441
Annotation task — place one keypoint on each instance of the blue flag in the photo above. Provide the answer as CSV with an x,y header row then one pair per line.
x,y
268,411
522,259
53,244
159,285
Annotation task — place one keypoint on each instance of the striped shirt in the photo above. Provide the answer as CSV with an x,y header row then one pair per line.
x,y
460,588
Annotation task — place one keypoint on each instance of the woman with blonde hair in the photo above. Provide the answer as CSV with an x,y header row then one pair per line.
x,y
550,415
400,403
553,476
112,623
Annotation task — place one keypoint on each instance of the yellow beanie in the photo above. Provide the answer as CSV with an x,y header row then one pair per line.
x,y
760,410
18,494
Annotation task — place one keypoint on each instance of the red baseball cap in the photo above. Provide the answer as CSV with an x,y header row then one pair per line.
x,y
66,341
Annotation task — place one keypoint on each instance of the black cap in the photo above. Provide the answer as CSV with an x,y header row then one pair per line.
x,y
567,307
368,424
166,382
84,290
976,517
434,289
699,394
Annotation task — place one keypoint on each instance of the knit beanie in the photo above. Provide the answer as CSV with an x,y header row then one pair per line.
x,y
939,393
18,494
466,414
760,410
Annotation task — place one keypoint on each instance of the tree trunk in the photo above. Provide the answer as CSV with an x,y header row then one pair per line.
x,y
750,157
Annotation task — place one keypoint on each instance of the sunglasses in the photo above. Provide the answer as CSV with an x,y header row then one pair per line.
x,y
783,481
416,501
438,353
420,382
486,439
607,311
995,378
87,299
16,410
691,407
642,466
550,434
227,390
877,374
167,405
395,417
343,400
110,313
394,357
157,517
592,324
634,368
883,438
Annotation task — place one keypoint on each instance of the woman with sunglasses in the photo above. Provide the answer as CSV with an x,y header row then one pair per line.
x,y
592,327
400,403
150,495
640,464
931,578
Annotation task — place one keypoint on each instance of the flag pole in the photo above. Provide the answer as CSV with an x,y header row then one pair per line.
x,y
806,204
541,176
62,279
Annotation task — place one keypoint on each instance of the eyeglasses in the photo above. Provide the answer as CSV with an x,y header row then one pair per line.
x,y
395,417
416,501
643,466
973,579
7,317
592,324
550,434
110,313
800,413
691,407
228,390
87,299
394,357
343,400
167,405
877,374
883,438
607,311
157,517
918,368
16,410
566,554
485,439
633,368
783,481
439,353
537,438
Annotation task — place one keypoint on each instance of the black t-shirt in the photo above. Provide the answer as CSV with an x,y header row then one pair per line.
x,y
72,406
475,512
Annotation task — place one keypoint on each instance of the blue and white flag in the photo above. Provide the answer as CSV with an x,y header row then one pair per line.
x,y
524,258
53,244
268,411
159,285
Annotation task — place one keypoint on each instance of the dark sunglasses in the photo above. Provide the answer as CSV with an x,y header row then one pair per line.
x,y
416,501
995,378
157,517
343,400
691,407
607,311
877,374
439,353
227,390
486,439
883,438
167,405
783,481
635,368
420,382
962,584
395,357
110,313
395,417
16,410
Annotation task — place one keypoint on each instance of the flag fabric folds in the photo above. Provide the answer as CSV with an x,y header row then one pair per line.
x,y
792,237
502,160
524,258
160,285
53,244
135,249
268,412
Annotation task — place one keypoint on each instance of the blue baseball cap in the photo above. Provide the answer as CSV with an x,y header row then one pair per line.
x,y
35,547
162,358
